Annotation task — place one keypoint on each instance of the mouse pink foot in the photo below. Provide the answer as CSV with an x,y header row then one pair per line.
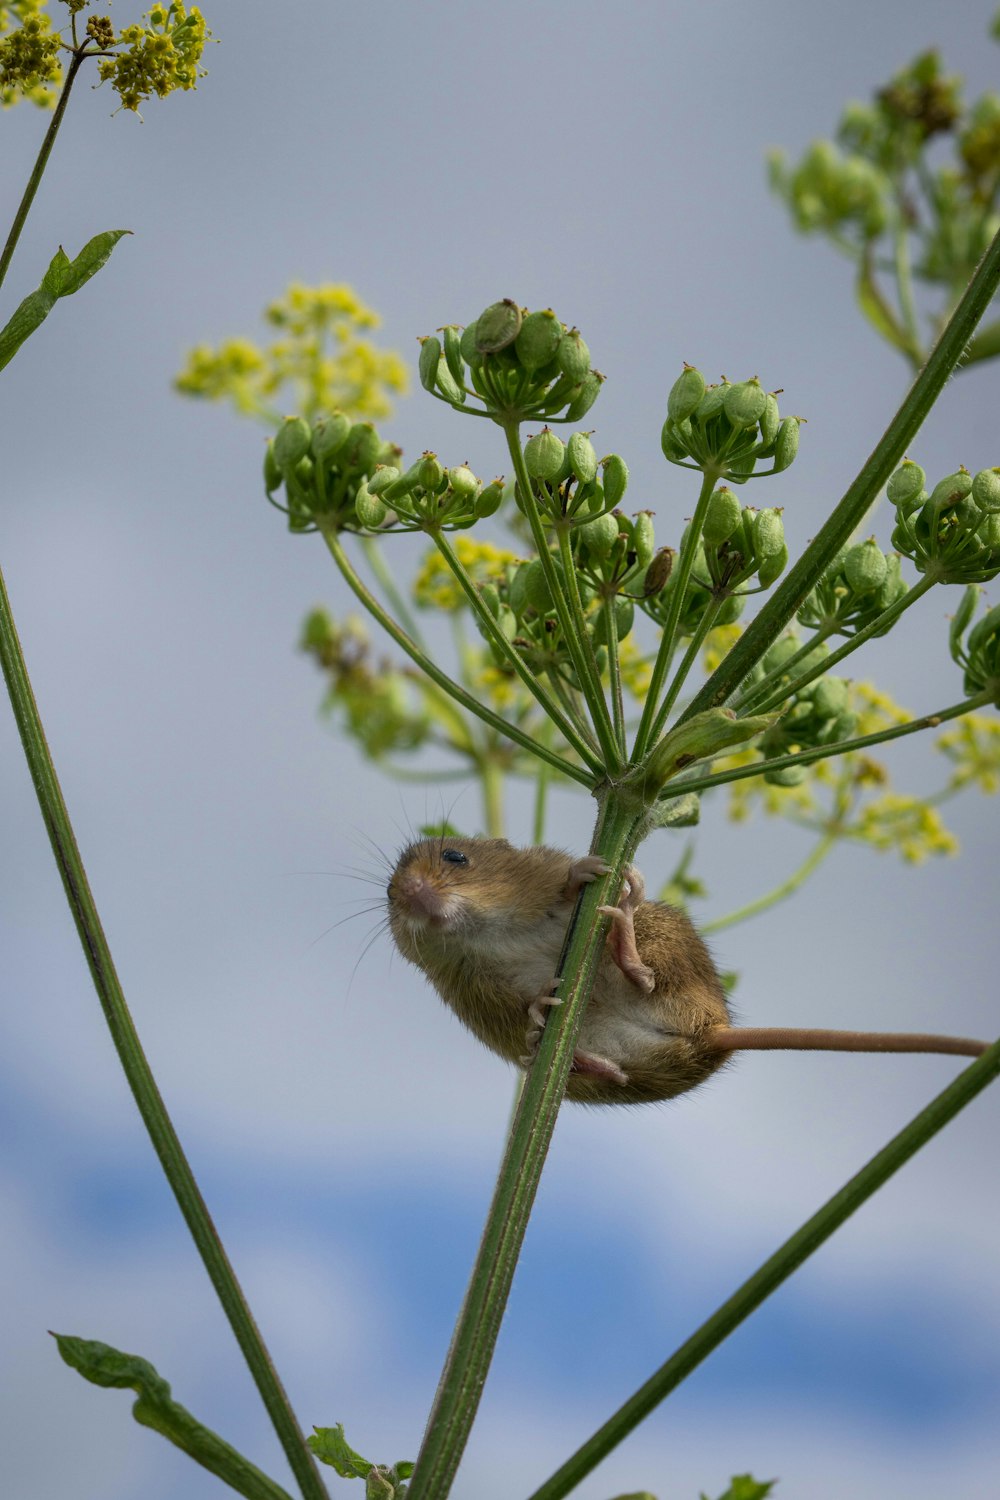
x,y
581,872
537,1014
621,938
597,1067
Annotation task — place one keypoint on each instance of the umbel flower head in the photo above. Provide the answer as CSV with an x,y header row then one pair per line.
x,y
159,57
29,54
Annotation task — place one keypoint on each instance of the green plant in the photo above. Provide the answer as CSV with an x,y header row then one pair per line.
x,y
541,689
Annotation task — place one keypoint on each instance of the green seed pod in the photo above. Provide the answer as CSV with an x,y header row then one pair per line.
x,y
291,442
988,531
772,567
951,490
830,696
894,585
404,485
430,472
369,508
643,539
768,532
865,567
467,346
539,339
490,595
452,337
304,471
464,484
783,650
960,619
986,490
391,454
582,458
362,448
497,327
517,589
536,588
508,629
770,421
449,387
614,472
786,776
489,499
272,473
685,394
329,435
906,482
730,610
599,536
786,444
427,364
722,516
745,402
384,475
624,616
544,454
573,356
672,441
658,572
589,392
711,403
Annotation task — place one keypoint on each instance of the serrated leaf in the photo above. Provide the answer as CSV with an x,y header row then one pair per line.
x,y
103,1365
62,279
331,1447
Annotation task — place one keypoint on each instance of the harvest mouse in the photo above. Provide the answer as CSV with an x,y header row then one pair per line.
x,y
485,921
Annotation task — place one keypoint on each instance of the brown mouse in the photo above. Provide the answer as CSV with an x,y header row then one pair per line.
x,y
485,921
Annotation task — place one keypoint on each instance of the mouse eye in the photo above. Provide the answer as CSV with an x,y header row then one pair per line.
x,y
455,856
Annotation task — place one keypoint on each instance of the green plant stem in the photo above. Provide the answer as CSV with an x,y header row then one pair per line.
x,y
904,288
582,634
41,162
886,619
133,1060
542,779
690,657
824,752
496,635
797,1249
615,674
478,1325
574,637
444,682
372,549
491,781
887,453
779,893
644,734
744,701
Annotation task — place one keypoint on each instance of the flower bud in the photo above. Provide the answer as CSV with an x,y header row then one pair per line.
x,y
685,394
615,476
384,475
490,499
498,326
600,535
544,454
786,444
951,490
582,458
362,448
589,392
986,490
368,508
722,516
427,364
329,435
865,567
905,483
538,340
430,472
768,532
573,356
745,402
291,442
463,483
643,539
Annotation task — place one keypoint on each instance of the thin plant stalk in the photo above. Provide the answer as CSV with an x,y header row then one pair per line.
x,y
687,662
134,1064
778,893
372,548
41,162
851,510
775,1270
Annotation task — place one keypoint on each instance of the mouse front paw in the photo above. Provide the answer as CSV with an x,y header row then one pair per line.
x,y
582,871
537,1015
621,938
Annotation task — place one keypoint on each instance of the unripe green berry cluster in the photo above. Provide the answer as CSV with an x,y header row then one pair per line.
x,y
858,586
951,534
522,366
979,655
565,482
427,497
818,714
727,429
322,467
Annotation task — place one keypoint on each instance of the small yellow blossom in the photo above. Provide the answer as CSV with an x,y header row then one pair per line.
x,y
973,747
436,587
159,57
718,644
636,669
29,55
911,827
875,710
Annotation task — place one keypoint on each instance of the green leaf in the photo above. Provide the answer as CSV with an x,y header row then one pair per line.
x,y
443,830
103,1365
745,1487
880,315
404,1468
62,279
331,1447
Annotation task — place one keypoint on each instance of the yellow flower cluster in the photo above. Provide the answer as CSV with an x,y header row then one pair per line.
x,y
498,688
906,824
320,356
718,644
973,747
436,587
636,669
29,55
159,57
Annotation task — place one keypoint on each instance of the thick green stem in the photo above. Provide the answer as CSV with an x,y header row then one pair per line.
x,y
133,1060
496,635
476,1332
644,734
803,1243
852,508
41,161
844,747
424,662
779,893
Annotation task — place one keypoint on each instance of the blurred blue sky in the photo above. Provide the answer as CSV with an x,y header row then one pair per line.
x,y
606,160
